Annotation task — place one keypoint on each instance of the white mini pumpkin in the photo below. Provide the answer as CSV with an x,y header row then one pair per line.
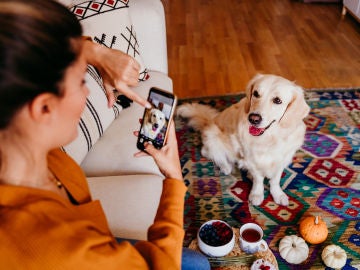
x,y
293,249
334,256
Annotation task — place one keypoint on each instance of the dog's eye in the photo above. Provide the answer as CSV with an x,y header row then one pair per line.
x,y
277,100
256,94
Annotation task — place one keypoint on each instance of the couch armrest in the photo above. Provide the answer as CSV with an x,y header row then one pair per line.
x,y
148,18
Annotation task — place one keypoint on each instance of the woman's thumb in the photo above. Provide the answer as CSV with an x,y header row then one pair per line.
x,y
149,148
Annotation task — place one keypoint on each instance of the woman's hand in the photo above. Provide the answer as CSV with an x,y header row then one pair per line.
x,y
167,158
117,69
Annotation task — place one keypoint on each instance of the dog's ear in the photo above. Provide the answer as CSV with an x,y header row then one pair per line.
x,y
249,90
297,109
147,116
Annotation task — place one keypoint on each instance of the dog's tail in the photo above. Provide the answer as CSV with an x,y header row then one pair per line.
x,y
199,116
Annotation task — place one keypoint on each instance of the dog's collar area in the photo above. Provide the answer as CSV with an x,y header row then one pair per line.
x,y
255,131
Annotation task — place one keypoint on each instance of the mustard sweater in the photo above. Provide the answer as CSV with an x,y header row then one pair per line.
x,y
41,230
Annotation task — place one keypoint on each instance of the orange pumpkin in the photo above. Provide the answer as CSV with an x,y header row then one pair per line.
x,y
313,229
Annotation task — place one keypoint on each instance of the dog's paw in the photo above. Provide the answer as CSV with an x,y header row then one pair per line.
x,y
240,164
281,198
226,169
256,199
204,151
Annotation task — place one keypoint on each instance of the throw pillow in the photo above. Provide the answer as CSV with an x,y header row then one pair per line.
x,y
95,119
108,23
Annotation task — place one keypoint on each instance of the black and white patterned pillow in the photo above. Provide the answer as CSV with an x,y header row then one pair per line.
x,y
95,119
108,23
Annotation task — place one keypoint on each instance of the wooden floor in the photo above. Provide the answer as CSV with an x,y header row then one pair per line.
x,y
215,47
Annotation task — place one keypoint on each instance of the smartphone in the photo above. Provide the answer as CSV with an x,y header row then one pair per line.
x,y
155,121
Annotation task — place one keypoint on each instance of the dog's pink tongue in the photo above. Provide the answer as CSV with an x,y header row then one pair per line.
x,y
255,131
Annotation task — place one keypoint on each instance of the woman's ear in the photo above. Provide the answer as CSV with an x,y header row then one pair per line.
x,y
42,107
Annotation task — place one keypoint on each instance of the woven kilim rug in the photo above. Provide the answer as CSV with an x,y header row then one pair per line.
x,y
323,179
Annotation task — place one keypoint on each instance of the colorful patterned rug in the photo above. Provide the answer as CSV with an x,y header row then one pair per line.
x,y
324,179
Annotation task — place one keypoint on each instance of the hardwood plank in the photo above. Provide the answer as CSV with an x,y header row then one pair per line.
x,y
215,47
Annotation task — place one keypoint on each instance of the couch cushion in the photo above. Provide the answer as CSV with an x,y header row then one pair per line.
x,y
113,152
95,119
108,23
129,202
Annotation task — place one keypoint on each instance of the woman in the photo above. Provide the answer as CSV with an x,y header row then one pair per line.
x,y
47,218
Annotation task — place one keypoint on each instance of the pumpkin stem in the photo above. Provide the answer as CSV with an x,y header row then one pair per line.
x,y
316,220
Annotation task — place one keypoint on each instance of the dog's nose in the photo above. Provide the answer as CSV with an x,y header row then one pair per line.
x,y
255,118
156,125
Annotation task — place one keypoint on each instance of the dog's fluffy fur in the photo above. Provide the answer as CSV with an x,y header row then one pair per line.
x,y
260,133
154,121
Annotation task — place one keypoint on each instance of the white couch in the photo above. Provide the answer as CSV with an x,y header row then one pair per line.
x,y
129,188
353,7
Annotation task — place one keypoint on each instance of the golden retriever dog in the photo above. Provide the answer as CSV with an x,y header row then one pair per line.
x,y
154,121
260,133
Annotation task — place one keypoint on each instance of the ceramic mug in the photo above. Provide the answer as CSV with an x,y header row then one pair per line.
x,y
250,239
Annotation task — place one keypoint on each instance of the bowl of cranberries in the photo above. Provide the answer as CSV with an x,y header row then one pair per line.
x,y
216,238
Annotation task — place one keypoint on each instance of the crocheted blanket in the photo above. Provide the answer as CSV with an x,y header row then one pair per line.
x,y
323,180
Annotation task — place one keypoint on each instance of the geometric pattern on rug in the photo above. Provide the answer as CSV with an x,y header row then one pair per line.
x,y
348,237
285,215
332,172
323,179
321,145
344,203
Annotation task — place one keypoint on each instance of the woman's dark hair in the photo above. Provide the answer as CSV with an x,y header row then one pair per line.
x,y
36,47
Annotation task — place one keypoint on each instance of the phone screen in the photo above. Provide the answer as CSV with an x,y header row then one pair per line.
x,y
157,119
